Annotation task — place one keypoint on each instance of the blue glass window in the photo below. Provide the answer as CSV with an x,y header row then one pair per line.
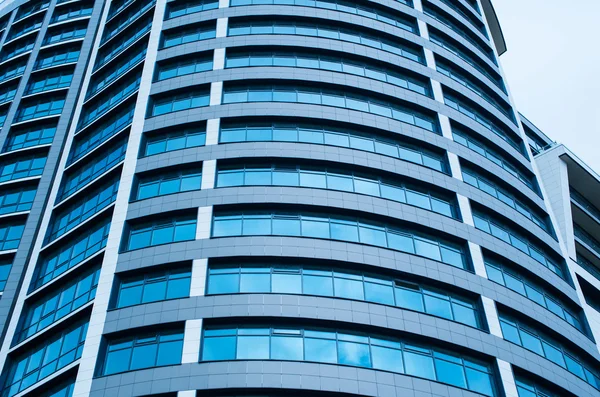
x,y
11,71
10,236
168,183
30,8
485,119
185,7
92,138
161,232
396,19
173,103
56,352
117,6
467,14
81,210
332,63
2,118
30,136
338,228
154,287
63,390
16,200
324,281
8,93
505,233
51,81
111,50
538,342
330,97
325,178
529,388
495,157
143,351
448,20
169,141
478,88
510,278
69,32
134,57
42,107
4,273
185,66
56,305
189,34
117,25
24,27
71,253
71,12
93,168
57,57
358,350
441,39
109,99
329,31
18,48
474,178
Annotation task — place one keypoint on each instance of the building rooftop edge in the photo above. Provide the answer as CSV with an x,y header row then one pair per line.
x,y
494,24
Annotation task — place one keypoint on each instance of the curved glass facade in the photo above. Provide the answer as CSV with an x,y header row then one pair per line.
x,y
324,198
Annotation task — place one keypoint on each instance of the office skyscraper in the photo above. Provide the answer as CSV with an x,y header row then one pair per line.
x,y
322,198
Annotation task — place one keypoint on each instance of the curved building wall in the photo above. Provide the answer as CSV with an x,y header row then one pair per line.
x,y
245,197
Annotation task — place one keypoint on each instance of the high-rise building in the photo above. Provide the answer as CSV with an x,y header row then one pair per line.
x,y
323,198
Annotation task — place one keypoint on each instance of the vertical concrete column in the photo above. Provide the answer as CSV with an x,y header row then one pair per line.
x,y
216,91
186,393
507,378
221,27
209,169
455,168
423,31
223,3
212,131
477,258
191,341
219,59
465,209
198,282
204,222
418,5
491,316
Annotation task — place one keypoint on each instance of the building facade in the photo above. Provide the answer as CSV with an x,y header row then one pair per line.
x,y
284,197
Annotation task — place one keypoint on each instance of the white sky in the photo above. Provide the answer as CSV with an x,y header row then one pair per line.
x,y
553,68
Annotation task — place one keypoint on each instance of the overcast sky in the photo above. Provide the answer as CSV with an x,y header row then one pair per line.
x,y
553,68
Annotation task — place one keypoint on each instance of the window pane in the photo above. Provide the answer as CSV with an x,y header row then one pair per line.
x,y
287,348
419,365
320,350
253,347
222,348
354,354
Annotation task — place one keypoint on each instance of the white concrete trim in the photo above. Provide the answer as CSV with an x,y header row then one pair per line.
x,y
491,315
191,341
216,92
212,131
465,209
221,26
203,227
199,274
219,59
455,168
209,171
477,259
507,378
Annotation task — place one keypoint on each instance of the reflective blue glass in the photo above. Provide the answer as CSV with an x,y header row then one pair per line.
x,y
30,136
17,200
143,351
161,232
345,229
336,179
540,343
52,307
71,253
153,287
55,352
357,350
